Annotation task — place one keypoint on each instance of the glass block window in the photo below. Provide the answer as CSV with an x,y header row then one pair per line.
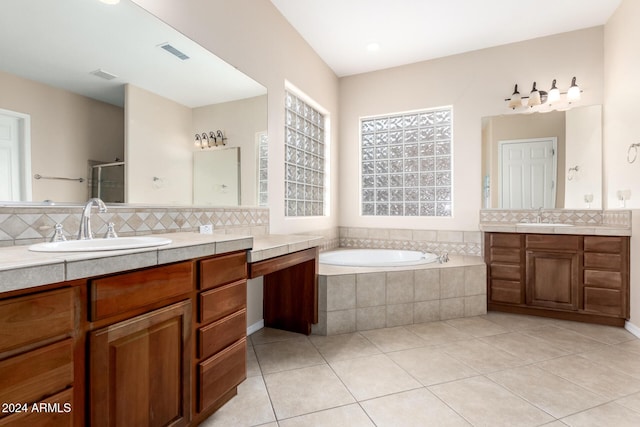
x,y
407,164
304,158
263,169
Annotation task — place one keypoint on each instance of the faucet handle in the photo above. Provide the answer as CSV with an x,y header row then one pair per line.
x,y
58,235
111,232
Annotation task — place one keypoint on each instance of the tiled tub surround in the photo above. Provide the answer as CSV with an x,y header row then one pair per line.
x,y
27,225
357,298
436,241
595,222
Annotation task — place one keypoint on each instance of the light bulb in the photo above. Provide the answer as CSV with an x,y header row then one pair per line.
x,y
554,93
516,99
534,97
573,94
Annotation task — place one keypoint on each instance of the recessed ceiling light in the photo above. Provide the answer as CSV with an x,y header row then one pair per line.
x,y
373,47
110,1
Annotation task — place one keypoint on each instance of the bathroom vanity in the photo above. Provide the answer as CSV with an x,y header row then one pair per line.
x,y
170,337
566,276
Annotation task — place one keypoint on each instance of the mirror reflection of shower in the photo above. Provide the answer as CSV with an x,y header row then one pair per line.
x,y
107,181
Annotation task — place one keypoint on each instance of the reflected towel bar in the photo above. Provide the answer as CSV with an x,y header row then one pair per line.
x,y
38,176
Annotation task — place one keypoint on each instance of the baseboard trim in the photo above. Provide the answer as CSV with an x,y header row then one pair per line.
x,y
632,328
255,327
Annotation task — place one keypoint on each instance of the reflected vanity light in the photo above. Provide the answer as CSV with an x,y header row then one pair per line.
x,y
540,100
210,140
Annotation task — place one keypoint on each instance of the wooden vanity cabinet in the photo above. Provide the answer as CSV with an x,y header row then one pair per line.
x,y
221,327
139,363
38,348
584,278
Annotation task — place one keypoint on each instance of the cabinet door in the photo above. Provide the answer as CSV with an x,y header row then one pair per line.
x,y
139,370
552,279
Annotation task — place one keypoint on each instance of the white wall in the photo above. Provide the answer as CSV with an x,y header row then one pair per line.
x,y
254,37
475,84
158,144
621,124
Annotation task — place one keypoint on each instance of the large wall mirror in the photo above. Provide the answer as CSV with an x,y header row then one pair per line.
x,y
551,160
108,98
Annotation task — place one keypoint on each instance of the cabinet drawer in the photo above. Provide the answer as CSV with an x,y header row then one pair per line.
x,y
62,416
123,292
603,244
222,301
605,301
511,255
548,241
608,261
218,335
222,270
221,373
507,272
32,318
603,279
506,291
31,376
504,240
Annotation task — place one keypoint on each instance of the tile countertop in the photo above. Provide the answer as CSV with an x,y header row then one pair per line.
x,y
588,230
22,269
273,245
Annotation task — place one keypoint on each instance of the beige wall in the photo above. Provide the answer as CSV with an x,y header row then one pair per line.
x,y
240,121
621,124
67,130
523,126
254,37
475,84
158,144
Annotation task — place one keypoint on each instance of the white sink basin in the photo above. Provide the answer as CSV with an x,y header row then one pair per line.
x,y
545,224
100,244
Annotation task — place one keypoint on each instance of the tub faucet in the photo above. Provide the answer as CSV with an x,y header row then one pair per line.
x,y
85,221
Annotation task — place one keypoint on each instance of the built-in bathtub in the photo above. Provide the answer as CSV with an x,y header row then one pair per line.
x,y
354,298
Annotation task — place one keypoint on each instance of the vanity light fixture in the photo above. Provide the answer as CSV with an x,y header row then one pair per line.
x,y
212,139
537,98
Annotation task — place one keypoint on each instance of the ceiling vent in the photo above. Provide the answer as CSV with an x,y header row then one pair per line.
x,y
175,52
103,74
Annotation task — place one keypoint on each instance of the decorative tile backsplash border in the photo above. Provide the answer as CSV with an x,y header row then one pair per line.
x,y
437,241
576,217
27,225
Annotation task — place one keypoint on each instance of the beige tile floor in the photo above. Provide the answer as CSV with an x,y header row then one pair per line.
x,y
493,370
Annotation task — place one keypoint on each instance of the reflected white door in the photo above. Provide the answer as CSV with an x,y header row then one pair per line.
x,y
216,177
9,158
528,173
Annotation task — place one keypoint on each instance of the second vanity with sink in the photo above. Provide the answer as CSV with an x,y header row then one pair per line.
x,y
575,271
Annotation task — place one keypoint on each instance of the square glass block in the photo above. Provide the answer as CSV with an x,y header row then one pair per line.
x,y
300,209
395,123
367,167
300,192
396,195
396,166
411,135
298,140
264,199
411,194
396,180
427,119
368,209
443,194
368,140
382,209
291,208
382,195
443,148
396,209
382,152
289,100
306,111
410,121
427,179
299,174
382,181
290,172
411,209
427,149
427,164
395,137
443,116
426,135
411,180
368,195
443,133
263,162
411,150
298,123
289,136
382,166
411,165
291,190
289,118
443,163
368,181
264,186
309,209
427,209
427,194
264,173
396,151
381,124
443,209
382,138
443,178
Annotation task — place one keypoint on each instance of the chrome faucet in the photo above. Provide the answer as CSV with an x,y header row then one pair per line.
x,y
539,215
85,221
